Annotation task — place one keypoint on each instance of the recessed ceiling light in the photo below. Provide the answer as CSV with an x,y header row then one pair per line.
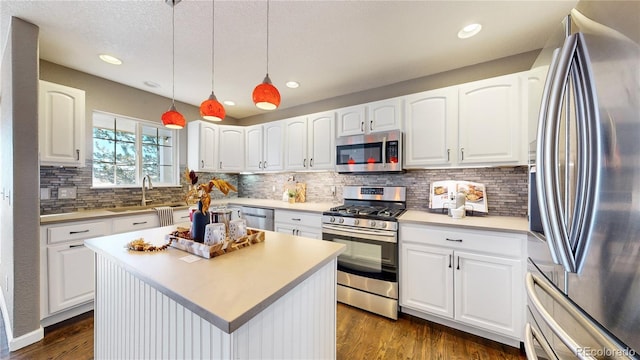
x,y
110,59
292,84
229,102
151,84
469,31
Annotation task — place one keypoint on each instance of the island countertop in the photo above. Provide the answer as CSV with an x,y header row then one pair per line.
x,y
227,290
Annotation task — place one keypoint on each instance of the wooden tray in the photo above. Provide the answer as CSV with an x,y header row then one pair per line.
x,y
209,251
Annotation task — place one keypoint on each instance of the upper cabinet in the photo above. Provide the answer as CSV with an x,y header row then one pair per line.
x,y
215,147
310,142
231,148
431,120
490,120
264,146
376,116
474,124
201,146
61,122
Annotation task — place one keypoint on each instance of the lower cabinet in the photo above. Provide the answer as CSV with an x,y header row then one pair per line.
x,y
300,224
470,277
71,275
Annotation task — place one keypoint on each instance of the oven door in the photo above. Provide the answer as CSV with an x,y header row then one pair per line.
x,y
369,253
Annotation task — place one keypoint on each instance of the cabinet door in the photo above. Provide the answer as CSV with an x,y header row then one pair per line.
x,y
285,228
202,145
351,120
322,141
253,148
488,292
489,121
61,124
384,115
426,279
310,233
231,149
296,144
71,275
431,121
273,146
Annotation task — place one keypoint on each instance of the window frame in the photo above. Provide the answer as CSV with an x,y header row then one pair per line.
x,y
139,168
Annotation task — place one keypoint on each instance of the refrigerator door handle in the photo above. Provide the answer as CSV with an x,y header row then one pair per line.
x,y
531,281
531,335
547,177
588,161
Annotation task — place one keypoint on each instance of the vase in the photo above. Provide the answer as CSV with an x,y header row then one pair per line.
x,y
199,224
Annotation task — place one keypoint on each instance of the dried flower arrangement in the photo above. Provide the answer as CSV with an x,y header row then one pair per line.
x,y
201,192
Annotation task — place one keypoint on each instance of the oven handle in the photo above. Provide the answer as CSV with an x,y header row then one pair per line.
x,y
371,234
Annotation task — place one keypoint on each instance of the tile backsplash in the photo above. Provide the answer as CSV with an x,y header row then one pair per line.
x,y
506,188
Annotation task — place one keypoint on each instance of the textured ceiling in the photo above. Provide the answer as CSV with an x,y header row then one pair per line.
x,y
332,48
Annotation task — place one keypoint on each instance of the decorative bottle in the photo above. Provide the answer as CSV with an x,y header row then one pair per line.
x,y
199,223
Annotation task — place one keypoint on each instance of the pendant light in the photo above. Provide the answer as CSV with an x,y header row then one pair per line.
x,y
172,118
211,109
265,95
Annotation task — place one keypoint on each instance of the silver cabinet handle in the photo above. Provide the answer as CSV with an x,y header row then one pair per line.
x,y
362,126
530,334
384,151
448,155
371,125
202,164
296,219
78,232
450,256
456,240
76,246
578,315
304,163
311,162
139,223
264,165
78,154
458,267
461,154
259,164
220,164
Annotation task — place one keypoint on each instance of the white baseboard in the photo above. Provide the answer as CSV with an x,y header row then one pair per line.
x,y
22,341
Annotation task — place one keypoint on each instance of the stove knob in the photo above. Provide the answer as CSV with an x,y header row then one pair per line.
x,y
356,221
372,223
332,219
341,220
383,225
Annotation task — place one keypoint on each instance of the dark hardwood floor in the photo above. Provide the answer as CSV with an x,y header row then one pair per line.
x,y
360,335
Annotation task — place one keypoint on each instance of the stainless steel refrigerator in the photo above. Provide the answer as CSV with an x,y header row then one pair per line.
x,y
583,280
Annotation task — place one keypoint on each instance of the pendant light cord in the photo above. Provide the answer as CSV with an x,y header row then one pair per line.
x,y
267,37
213,37
173,55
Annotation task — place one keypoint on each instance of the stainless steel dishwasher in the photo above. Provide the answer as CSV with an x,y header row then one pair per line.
x,y
258,218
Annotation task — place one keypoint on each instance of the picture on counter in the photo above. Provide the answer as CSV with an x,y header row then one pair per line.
x,y
443,194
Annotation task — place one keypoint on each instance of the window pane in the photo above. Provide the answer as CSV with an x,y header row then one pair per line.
x,y
167,175
126,175
126,154
103,174
103,150
166,156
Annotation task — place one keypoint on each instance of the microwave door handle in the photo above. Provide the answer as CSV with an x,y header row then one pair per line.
x,y
588,160
532,334
384,151
558,237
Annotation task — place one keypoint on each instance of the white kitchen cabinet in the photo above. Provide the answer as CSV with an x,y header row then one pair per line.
x,y
67,268
431,121
468,277
490,121
383,115
202,146
135,222
180,216
231,148
61,124
264,147
310,142
297,223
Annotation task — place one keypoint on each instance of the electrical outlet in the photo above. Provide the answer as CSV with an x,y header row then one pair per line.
x,y
45,193
67,192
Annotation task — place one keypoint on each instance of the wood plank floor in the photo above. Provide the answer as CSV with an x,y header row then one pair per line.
x,y
360,335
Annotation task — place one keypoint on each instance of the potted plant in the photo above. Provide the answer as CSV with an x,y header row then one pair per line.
x,y
292,196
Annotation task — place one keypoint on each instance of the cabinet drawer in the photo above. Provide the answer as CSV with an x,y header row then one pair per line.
x,y
180,216
76,231
133,223
298,218
507,244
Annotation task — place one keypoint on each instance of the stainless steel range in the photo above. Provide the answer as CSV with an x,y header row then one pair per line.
x,y
367,223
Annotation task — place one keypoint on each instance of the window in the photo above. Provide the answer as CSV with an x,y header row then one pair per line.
x,y
125,150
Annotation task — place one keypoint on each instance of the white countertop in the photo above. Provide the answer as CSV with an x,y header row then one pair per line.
x,y
486,222
227,290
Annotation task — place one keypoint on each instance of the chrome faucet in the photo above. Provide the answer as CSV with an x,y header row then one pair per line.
x,y
144,199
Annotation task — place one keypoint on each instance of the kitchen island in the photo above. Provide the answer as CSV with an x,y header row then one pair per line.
x,y
275,299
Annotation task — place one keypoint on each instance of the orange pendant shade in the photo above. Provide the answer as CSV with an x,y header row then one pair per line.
x,y
266,96
173,119
211,109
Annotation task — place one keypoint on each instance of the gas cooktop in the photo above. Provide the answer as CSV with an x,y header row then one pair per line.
x,y
366,211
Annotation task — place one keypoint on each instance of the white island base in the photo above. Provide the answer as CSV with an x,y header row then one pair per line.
x,y
136,320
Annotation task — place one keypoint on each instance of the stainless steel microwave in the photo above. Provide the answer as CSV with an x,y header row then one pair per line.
x,y
377,152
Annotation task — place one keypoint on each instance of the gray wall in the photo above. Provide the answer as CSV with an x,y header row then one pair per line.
x,y
19,232
508,65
